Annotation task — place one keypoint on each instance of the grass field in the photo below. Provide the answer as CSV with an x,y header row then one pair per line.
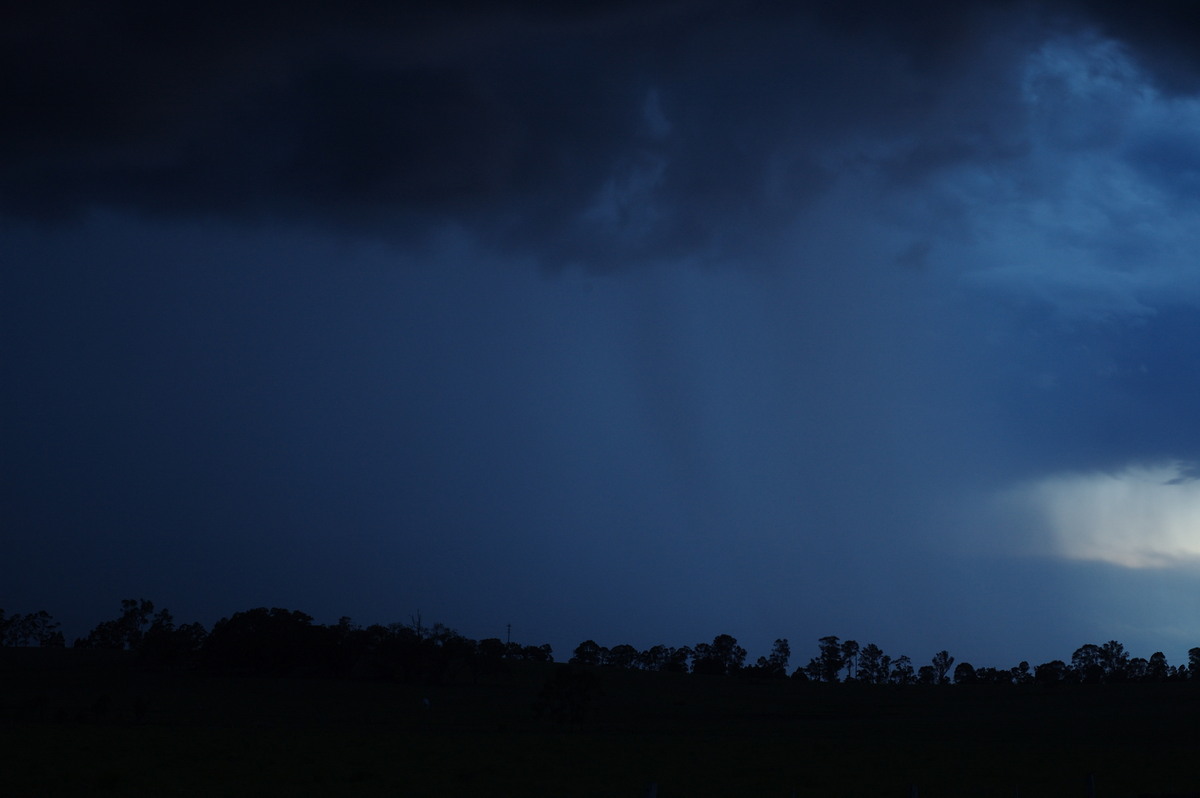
x,y
87,723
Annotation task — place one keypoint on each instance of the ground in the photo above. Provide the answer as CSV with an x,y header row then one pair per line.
x,y
90,723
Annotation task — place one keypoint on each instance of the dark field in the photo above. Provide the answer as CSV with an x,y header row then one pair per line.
x,y
87,723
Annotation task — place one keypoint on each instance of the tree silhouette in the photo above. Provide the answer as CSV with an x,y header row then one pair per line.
x,y
678,659
490,657
542,653
586,653
775,665
941,667
874,666
1137,670
1157,669
272,641
988,675
165,645
654,658
1086,664
1052,672
622,656
1021,673
1114,659
32,628
850,658
902,671
964,673
723,656
828,662
124,632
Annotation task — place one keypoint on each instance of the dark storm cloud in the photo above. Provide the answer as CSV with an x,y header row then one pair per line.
x,y
1164,33
600,135
234,107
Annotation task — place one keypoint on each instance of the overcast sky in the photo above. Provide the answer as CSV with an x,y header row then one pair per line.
x,y
641,323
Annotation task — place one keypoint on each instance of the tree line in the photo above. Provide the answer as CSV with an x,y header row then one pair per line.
x,y
277,641
280,642
842,661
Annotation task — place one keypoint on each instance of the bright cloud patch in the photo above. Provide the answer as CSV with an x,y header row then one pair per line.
x,y
1141,517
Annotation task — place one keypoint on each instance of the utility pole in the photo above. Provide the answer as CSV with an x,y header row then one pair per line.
x,y
508,637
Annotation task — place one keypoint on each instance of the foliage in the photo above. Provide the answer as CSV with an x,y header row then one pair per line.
x,y
874,667
123,632
1051,672
723,656
35,628
266,641
964,673
902,671
775,666
941,667
588,653
166,646
829,662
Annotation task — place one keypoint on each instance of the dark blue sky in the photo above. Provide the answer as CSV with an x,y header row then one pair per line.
x,y
641,323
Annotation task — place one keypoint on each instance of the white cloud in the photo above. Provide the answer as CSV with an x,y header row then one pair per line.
x,y
1143,516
